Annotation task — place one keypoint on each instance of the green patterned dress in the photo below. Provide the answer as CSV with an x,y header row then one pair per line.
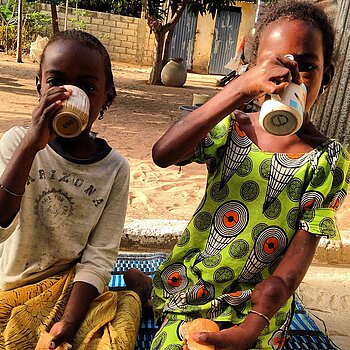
x,y
253,205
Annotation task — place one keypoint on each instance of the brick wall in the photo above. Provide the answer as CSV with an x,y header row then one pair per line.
x,y
127,39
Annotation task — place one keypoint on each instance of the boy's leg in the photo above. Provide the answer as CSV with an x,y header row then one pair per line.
x,y
141,284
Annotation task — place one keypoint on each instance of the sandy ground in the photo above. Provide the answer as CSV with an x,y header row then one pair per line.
x,y
139,116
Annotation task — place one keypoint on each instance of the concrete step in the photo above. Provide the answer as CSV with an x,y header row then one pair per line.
x,y
161,235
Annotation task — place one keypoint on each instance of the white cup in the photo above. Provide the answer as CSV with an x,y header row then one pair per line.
x,y
72,118
283,114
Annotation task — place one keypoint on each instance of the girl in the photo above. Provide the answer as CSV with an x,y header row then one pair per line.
x,y
62,209
268,198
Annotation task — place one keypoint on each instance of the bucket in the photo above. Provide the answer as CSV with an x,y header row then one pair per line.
x,y
187,109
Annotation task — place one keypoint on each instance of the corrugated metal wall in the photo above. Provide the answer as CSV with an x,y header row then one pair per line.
x,y
224,41
332,114
183,39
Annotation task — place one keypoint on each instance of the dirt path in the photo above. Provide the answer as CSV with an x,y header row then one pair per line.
x,y
138,117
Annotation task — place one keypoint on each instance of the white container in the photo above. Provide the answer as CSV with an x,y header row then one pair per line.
x,y
199,99
283,114
174,73
73,117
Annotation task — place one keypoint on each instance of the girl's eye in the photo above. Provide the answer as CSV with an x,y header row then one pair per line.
x,y
306,67
53,82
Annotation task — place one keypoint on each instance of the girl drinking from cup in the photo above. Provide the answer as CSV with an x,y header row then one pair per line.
x,y
268,198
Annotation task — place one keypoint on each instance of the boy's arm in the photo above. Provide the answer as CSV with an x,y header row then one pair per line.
x,y
77,306
15,175
13,182
269,295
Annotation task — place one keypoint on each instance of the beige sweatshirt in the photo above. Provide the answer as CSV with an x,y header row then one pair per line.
x,y
72,212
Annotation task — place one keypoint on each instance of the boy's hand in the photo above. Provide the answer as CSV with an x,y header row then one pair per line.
x,y
40,131
62,331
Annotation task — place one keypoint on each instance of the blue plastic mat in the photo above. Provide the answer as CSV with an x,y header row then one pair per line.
x,y
145,262
303,333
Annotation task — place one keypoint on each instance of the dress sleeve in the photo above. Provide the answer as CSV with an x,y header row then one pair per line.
x,y
325,192
208,151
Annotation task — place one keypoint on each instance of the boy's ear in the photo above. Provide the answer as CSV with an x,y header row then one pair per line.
x,y
38,85
328,75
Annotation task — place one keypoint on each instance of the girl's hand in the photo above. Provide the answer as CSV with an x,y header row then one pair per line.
x,y
233,338
40,131
63,331
269,76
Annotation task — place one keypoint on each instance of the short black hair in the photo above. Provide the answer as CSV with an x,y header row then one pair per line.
x,y
295,9
87,40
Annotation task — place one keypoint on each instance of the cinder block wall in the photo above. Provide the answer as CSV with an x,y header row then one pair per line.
x,y
127,39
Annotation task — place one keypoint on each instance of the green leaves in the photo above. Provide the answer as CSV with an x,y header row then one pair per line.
x,y
55,2
195,7
34,23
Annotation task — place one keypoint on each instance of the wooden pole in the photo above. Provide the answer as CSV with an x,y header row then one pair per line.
x,y
66,16
55,28
19,32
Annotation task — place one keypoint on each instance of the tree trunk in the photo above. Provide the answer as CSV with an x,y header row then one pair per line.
x,y
66,16
174,8
167,46
19,32
155,76
54,17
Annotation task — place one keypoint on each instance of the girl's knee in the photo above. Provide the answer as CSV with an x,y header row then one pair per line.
x,y
168,336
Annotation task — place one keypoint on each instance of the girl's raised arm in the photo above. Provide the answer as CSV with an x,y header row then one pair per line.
x,y
270,76
180,140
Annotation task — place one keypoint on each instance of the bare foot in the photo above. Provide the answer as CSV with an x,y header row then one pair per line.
x,y
141,284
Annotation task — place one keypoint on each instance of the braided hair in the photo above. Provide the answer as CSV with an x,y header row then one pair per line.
x,y
292,10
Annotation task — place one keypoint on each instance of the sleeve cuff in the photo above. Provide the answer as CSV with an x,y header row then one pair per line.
x,y
94,278
320,221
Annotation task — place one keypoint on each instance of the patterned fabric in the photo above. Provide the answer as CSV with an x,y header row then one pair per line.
x,y
254,203
168,337
112,321
303,332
